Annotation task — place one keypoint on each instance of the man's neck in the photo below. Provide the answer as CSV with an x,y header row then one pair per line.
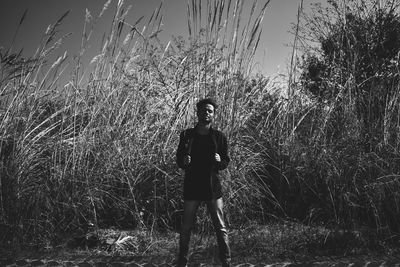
x,y
202,128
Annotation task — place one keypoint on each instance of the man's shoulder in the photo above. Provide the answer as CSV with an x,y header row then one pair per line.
x,y
218,133
186,132
189,130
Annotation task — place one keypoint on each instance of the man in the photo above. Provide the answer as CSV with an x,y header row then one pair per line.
x,y
202,153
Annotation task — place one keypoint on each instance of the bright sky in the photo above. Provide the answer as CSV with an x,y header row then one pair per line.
x,y
273,53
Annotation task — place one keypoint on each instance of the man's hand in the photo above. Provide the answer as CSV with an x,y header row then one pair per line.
x,y
217,157
186,160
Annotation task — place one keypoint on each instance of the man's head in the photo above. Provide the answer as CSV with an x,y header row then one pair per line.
x,y
206,110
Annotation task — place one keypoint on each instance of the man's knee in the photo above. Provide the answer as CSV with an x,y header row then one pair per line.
x,y
186,228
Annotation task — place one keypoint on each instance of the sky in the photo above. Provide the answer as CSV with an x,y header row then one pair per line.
x,y
272,57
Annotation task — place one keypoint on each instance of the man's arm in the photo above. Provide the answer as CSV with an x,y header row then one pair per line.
x,y
223,153
181,152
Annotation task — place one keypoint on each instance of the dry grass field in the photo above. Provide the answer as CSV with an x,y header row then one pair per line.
x,y
315,161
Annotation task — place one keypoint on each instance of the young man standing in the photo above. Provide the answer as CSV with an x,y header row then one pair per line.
x,y
202,153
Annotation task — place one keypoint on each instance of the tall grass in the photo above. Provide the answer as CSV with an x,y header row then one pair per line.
x,y
101,148
342,150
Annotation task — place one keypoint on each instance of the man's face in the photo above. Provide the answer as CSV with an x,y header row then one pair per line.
x,y
205,113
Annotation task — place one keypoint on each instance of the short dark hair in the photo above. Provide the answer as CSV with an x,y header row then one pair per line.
x,y
206,101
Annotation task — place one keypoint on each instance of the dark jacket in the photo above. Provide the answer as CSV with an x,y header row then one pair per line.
x,y
220,146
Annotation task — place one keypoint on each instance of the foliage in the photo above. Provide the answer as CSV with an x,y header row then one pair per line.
x,y
99,150
357,59
340,135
